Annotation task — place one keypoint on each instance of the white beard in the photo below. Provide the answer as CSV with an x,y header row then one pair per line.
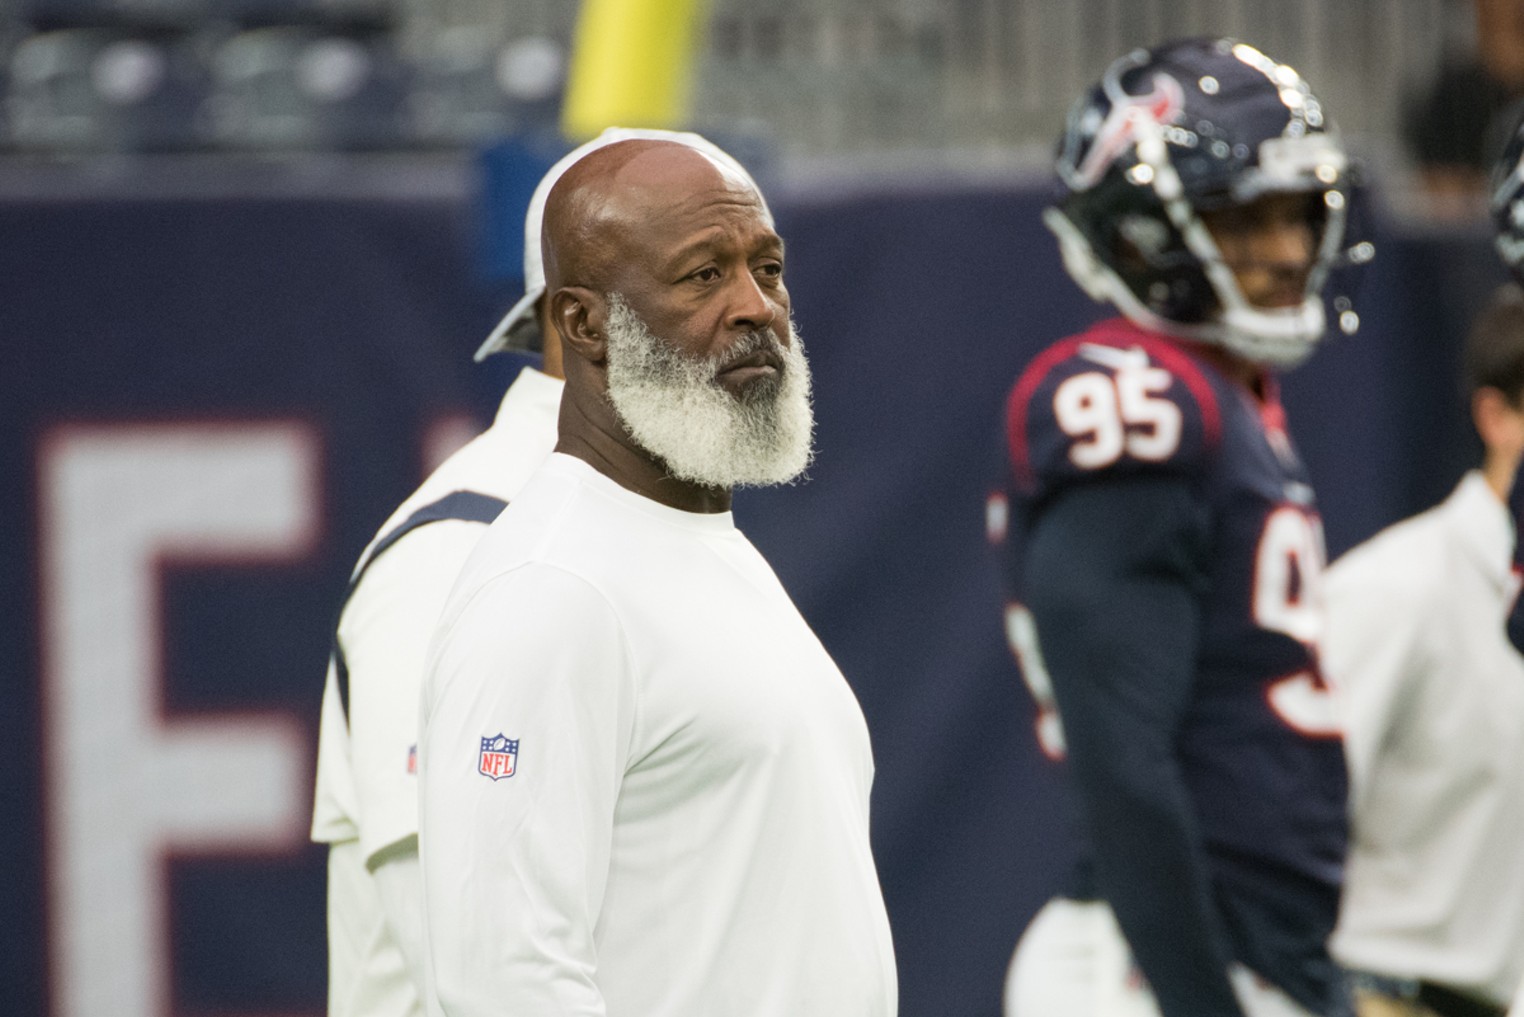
x,y
673,407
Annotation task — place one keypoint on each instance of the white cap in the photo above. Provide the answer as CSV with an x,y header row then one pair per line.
x,y
521,325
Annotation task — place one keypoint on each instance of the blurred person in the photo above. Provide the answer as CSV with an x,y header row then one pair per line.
x,y
366,806
1507,207
1457,125
644,783
1432,695
1165,550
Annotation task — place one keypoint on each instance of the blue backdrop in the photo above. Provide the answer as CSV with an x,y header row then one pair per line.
x,y
337,328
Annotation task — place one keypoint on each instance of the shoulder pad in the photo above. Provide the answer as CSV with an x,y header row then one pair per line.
x,y
1095,404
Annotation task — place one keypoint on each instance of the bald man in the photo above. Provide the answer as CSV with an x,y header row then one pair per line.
x,y
644,783
366,801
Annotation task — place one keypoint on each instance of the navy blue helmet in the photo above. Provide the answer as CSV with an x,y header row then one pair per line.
x,y
1191,126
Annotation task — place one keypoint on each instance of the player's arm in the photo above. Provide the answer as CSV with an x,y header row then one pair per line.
x,y
514,867
1113,577
385,632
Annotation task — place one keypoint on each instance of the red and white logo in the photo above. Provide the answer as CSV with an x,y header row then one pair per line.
x,y
1160,105
499,757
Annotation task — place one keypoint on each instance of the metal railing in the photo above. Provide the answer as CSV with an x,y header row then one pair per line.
x,y
835,77
958,80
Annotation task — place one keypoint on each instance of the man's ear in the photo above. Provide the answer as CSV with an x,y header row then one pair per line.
x,y
579,315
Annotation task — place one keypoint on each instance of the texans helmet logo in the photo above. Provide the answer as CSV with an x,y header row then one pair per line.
x,y
1117,133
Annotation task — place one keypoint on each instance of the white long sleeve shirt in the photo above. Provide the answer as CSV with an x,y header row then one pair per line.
x,y
366,803
644,783
1434,710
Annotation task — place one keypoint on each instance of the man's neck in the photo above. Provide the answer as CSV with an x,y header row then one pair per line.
x,y
592,431
1235,368
1498,471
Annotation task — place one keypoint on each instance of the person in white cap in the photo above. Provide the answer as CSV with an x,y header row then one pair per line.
x,y
644,784
366,798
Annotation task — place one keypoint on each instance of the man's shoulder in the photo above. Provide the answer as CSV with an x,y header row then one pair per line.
x,y
496,462
526,602
554,523
571,519
435,513
1114,400
499,460
1402,562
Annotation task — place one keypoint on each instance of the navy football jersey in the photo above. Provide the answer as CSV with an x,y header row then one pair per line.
x,y
1108,420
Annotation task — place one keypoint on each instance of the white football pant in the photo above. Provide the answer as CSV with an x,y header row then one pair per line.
x,y
1073,961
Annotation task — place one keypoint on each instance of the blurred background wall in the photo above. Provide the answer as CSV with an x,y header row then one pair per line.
x,y
246,250
951,81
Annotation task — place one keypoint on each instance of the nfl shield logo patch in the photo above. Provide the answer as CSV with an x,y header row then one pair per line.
x,y
499,757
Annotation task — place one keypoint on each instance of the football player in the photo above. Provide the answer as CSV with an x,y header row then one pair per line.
x,y
1508,216
1165,548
